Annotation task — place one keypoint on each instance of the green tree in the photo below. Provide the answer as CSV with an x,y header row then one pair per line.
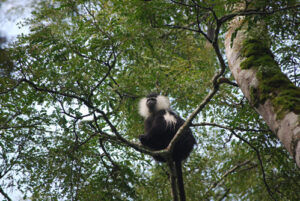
x,y
69,122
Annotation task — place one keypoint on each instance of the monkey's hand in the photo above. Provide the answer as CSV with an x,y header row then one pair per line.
x,y
143,139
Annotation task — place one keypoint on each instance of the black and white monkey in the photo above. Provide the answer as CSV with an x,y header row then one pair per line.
x,y
161,124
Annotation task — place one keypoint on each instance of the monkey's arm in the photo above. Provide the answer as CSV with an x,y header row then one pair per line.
x,y
151,139
144,139
155,137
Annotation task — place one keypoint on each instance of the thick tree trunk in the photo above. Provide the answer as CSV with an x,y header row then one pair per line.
x,y
270,92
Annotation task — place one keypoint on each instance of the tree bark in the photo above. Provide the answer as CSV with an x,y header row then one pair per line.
x,y
267,89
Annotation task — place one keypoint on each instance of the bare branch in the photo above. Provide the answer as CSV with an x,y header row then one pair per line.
x,y
99,83
4,194
254,12
199,28
229,128
136,146
187,123
11,89
227,81
181,27
107,154
260,162
44,89
225,194
215,184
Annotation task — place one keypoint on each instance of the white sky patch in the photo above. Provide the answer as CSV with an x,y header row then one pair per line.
x,y
12,14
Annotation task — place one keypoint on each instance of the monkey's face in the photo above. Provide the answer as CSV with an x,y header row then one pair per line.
x,y
151,103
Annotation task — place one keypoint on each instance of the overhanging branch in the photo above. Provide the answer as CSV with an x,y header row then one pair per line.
x,y
254,12
188,122
229,128
228,172
260,162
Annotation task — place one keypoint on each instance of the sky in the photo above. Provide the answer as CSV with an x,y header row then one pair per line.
x,y
13,12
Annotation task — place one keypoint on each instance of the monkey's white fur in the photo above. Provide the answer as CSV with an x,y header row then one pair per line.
x,y
143,110
162,103
170,119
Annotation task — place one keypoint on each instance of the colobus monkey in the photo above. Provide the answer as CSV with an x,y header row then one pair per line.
x,y
161,124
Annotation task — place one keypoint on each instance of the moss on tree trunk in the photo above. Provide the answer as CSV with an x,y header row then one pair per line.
x,y
273,84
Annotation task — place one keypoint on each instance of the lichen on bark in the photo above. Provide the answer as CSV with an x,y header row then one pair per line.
x,y
273,84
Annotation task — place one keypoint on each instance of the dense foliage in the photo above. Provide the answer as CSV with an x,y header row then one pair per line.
x,y
70,93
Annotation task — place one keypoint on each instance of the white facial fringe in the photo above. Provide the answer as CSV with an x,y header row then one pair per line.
x,y
143,109
163,103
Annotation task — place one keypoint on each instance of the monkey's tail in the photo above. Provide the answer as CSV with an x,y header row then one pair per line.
x,y
180,180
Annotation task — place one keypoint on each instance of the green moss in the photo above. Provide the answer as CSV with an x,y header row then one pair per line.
x,y
287,100
254,99
268,70
248,63
254,47
257,54
273,84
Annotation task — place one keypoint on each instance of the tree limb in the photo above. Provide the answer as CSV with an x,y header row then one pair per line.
x,y
216,183
254,12
229,128
260,162
187,123
4,194
11,89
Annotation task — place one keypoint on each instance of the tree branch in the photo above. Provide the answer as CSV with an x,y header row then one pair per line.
x,y
254,12
187,123
260,162
227,81
136,146
4,194
215,89
215,184
225,194
11,89
229,128
115,165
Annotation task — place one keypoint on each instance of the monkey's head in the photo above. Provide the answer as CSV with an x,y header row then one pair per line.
x,y
153,103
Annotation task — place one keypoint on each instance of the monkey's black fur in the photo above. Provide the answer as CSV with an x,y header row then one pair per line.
x,y
158,135
161,124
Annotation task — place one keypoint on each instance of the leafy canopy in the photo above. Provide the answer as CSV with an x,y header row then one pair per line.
x,y
75,84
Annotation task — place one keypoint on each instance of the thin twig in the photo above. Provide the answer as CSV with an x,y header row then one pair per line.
x,y
194,114
11,89
260,162
229,128
5,194
216,183
107,155
254,12
225,194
